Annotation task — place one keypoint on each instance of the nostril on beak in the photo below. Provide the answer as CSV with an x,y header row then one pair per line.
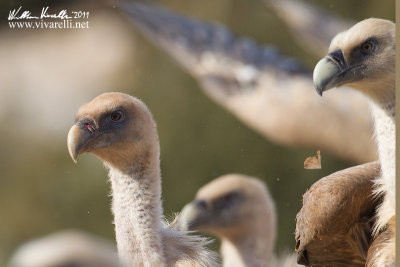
x,y
90,127
201,204
87,124
338,57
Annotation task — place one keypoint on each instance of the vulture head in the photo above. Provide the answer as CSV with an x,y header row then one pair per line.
x,y
117,128
363,58
232,206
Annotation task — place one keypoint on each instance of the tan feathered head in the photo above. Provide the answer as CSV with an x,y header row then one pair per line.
x,y
363,58
231,206
117,128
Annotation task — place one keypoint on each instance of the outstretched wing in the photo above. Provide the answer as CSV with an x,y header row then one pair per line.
x,y
312,26
271,93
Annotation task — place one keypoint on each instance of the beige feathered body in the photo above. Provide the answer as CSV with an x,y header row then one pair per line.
x,y
255,249
243,255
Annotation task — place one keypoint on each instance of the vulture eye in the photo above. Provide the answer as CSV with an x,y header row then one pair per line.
x,y
116,115
367,47
227,201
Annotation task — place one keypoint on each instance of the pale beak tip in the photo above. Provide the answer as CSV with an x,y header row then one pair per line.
x,y
320,91
73,143
72,155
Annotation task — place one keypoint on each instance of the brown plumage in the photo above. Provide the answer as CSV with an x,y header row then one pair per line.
x,y
120,131
334,226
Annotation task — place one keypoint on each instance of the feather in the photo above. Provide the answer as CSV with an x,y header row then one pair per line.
x,y
334,226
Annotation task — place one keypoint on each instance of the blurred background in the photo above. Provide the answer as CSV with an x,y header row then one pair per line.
x,y
45,75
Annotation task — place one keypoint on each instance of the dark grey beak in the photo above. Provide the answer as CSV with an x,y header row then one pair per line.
x,y
329,70
192,215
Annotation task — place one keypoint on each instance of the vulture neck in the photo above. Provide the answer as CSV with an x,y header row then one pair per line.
x,y
385,133
388,102
137,212
382,93
248,250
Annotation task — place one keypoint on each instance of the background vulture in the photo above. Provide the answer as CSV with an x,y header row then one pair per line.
x,y
67,248
240,211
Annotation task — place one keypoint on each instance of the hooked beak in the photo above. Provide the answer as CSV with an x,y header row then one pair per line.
x,y
192,215
79,136
329,71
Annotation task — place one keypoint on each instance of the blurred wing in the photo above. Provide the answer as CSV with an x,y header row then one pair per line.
x,y
269,92
312,26
334,226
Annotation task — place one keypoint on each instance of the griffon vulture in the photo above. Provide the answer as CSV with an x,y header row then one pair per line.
x,y
66,248
239,210
120,131
363,58
259,85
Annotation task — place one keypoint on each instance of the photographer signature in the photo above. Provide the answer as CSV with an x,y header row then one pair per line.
x,y
17,14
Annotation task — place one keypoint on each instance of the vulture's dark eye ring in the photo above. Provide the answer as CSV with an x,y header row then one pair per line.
x,y
367,47
116,116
